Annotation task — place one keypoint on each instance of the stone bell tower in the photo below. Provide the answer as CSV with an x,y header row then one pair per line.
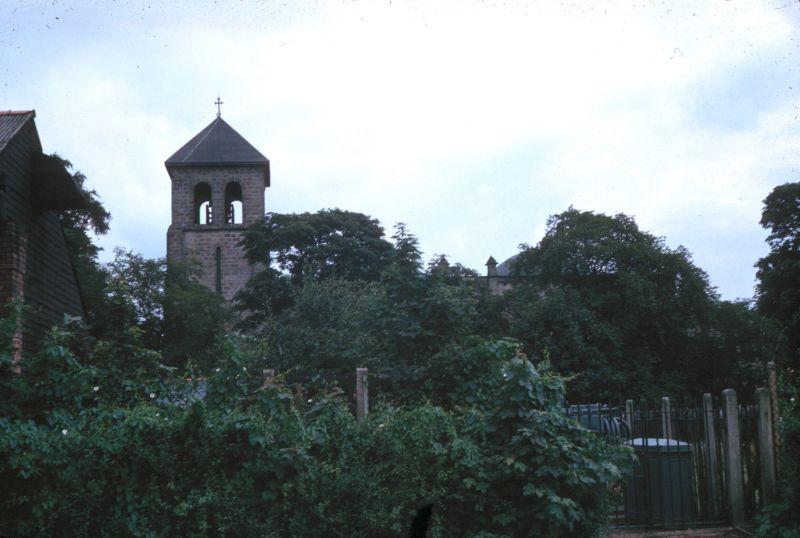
x,y
218,182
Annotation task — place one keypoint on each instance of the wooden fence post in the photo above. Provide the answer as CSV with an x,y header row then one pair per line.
x,y
268,375
711,452
666,418
733,459
629,414
362,394
766,450
772,378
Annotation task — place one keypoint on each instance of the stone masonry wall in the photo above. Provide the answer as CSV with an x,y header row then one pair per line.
x,y
188,240
235,271
184,180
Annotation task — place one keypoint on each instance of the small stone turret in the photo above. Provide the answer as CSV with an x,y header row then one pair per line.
x,y
491,266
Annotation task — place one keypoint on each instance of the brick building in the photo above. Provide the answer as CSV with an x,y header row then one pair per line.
x,y
218,182
35,265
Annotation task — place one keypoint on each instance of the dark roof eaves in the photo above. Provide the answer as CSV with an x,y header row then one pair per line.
x,y
173,164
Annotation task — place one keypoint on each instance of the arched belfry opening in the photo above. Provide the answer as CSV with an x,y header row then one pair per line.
x,y
233,203
203,210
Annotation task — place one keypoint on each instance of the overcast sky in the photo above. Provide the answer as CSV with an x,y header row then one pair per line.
x,y
470,121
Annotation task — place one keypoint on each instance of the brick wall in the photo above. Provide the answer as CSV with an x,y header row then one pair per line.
x,y
13,254
13,260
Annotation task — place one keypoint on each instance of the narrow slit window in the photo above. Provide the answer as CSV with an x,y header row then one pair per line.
x,y
218,283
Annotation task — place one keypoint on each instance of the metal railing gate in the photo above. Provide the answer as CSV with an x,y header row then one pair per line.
x,y
679,479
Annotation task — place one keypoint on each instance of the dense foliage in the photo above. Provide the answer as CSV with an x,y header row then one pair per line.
x,y
331,243
158,422
79,225
101,440
393,317
173,312
613,307
778,274
778,296
628,315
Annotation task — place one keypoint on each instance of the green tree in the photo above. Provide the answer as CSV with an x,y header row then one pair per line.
x,y
778,297
778,290
196,319
392,323
737,347
331,243
79,225
135,293
266,294
327,331
614,306
173,313
299,248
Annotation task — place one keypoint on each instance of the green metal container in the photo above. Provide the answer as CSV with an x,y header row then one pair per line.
x,y
661,490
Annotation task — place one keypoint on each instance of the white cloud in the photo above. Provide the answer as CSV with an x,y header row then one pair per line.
x,y
470,122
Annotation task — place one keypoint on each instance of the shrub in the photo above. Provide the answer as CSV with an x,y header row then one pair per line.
x,y
147,455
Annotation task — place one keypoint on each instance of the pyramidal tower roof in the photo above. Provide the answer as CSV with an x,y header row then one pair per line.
x,y
218,144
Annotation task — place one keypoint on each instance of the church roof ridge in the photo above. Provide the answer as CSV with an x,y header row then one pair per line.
x,y
217,143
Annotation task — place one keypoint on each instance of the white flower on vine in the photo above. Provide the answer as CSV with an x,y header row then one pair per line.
x,y
96,388
152,394
64,432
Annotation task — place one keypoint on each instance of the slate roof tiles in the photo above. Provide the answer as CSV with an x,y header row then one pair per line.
x,y
218,143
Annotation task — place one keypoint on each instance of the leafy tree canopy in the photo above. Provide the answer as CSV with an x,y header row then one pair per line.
x,y
781,216
94,216
602,255
328,244
603,299
778,273
621,310
79,225
392,319
778,296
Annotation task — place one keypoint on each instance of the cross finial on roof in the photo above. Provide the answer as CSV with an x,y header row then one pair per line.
x,y
218,102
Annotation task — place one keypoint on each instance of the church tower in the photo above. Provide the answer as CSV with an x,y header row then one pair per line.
x,y
218,182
